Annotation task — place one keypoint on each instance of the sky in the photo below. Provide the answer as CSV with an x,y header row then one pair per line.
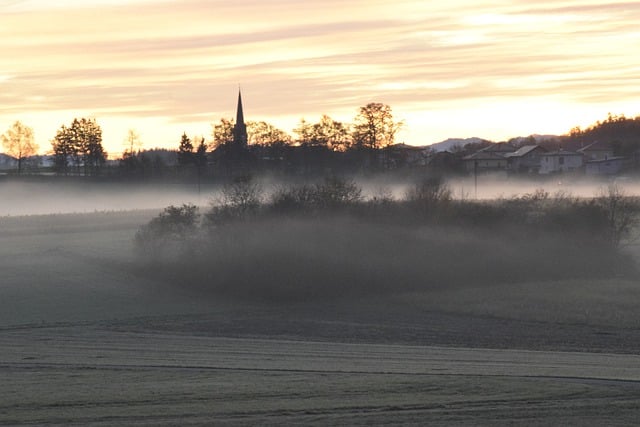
x,y
459,68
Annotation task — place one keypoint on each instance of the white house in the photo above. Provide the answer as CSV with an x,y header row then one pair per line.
x,y
609,166
560,161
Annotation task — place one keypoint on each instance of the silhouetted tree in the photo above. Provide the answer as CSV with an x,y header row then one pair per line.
x,y
304,131
374,126
18,142
200,160
332,134
222,133
327,133
64,149
265,134
185,151
132,142
80,143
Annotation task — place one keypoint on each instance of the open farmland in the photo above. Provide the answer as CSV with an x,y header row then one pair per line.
x,y
85,339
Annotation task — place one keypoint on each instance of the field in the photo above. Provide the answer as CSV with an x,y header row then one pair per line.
x,y
85,339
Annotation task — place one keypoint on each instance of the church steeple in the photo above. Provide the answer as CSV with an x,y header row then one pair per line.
x,y
240,128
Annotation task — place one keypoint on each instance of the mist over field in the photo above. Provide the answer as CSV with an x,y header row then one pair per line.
x,y
42,198
379,312
37,197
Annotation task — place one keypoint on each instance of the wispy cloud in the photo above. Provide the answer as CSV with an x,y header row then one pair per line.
x,y
180,62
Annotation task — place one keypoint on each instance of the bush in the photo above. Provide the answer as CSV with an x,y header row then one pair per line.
x,y
239,200
336,192
335,243
330,195
165,234
429,196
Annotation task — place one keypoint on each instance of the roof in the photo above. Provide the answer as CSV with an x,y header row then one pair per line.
x,y
562,153
484,155
523,151
500,147
403,146
597,146
610,159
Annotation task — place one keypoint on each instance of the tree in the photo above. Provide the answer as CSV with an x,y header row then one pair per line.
x,y
185,151
200,159
374,126
332,134
18,142
222,133
80,144
265,134
200,155
132,142
326,133
621,211
93,153
64,149
304,132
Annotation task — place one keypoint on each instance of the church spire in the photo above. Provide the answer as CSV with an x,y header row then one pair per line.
x,y
240,128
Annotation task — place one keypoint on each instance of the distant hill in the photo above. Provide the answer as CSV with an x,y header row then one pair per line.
x,y
533,139
453,143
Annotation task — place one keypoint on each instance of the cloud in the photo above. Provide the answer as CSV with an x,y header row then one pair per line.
x,y
182,61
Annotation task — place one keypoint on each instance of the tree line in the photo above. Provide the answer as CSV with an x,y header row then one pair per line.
x,y
373,127
77,148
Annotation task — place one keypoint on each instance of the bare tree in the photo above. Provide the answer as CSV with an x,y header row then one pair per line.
x,y
18,142
133,142
374,126
621,212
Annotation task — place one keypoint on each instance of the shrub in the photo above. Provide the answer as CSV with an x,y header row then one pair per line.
x,y
620,211
240,199
293,200
166,233
336,192
429,195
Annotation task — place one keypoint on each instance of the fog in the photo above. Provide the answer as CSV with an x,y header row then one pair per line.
x,y
59,197
27,198
365,315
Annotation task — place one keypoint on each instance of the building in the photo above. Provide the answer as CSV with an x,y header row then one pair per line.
x,y
597,151
608,166
240,138
491,158
482,161
526,159
560,161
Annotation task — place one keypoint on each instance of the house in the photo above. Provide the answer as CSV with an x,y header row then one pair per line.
x,y
526,159
485,161
597,151
401,155
608,166
490,158
560,161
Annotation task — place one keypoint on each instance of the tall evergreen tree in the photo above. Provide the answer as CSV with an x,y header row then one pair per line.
x,y
185,151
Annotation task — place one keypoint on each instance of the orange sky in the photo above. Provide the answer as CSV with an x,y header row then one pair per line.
x,y
461,68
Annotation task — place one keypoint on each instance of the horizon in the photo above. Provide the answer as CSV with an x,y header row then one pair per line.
x,y
494,70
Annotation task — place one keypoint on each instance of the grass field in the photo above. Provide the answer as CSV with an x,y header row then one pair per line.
x,y
85,339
